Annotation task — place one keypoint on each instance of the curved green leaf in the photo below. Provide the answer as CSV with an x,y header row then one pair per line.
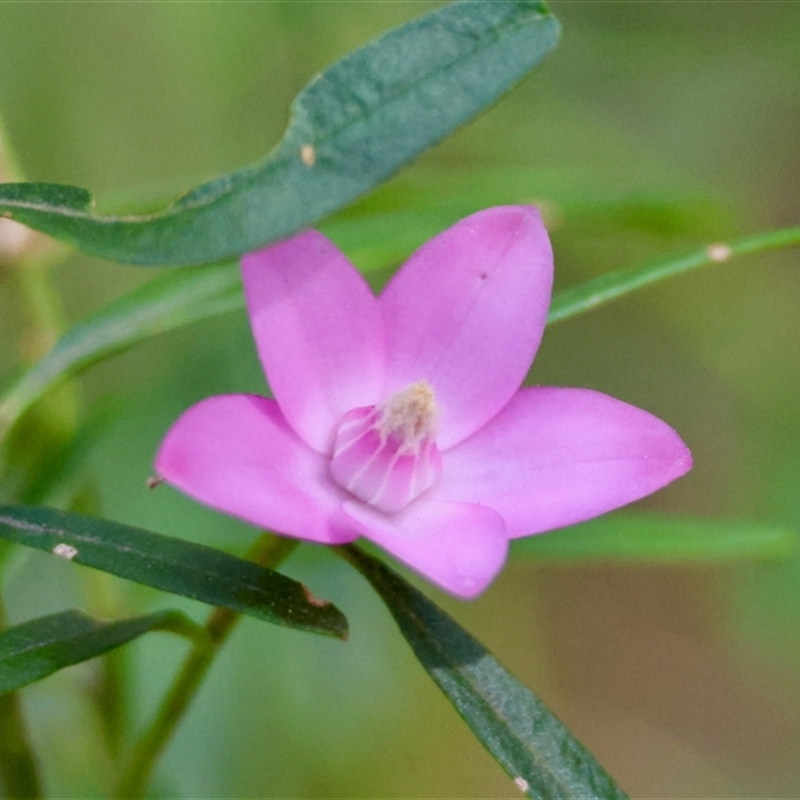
x,y
533,747
647,538
36,649
351,128
172,565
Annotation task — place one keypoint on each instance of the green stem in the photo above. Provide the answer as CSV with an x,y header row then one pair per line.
x,y
269,551
18,770
29,264
612,285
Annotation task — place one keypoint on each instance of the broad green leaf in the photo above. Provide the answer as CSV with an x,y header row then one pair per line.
x,y
36,649
172,565
652,539
533,747
351,128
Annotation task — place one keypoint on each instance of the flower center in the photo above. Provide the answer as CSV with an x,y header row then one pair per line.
x,y
386,455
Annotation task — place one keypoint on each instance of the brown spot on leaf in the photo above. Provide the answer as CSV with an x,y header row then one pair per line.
x,y
313,599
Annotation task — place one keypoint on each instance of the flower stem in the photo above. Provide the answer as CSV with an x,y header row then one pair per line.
x,y
269,551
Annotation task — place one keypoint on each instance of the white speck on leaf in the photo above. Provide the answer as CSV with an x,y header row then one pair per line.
x,y
522,784
63,550
308,155
719,252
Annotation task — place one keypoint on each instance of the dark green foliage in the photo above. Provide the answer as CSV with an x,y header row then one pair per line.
x,y
173,565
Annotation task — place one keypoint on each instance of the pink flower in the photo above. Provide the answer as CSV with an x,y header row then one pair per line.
x,y
401,418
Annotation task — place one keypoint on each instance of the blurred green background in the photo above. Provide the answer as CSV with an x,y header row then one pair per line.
x,y
655,128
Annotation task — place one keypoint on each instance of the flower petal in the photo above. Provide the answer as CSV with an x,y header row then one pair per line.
x,y
459,546
318,332
467,312
237,454
553,457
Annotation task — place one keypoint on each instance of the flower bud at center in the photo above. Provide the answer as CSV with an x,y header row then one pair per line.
x,y
386,455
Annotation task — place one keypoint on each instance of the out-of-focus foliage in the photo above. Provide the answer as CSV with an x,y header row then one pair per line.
x,y
655,129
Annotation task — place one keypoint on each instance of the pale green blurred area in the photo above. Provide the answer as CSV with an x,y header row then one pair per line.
x,y
655,128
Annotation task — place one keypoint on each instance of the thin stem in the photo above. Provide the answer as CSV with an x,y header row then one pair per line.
x,y
612,285
18,770
27,257
268,551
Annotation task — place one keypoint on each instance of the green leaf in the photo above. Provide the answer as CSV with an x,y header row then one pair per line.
x,y
173,300
176,299
351,128
601,290
533,747
653,539
36,649
170,301
173,565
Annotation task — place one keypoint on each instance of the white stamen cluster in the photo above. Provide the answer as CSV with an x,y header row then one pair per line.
x,y
411,415
386,455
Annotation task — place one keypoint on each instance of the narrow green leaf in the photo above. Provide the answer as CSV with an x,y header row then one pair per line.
x,y
351,128
172,565
591,294
36,649
533,747
652,539
170,301
173,300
